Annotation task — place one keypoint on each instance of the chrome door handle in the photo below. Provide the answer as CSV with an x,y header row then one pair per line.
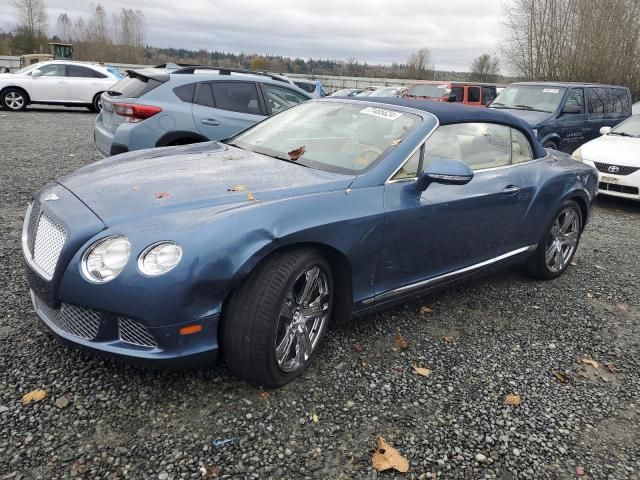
x,y
511,189
211,121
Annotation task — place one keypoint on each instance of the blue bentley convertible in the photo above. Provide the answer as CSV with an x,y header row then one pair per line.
x,y
250,247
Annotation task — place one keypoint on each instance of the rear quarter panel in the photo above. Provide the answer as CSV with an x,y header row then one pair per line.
x,y
547,183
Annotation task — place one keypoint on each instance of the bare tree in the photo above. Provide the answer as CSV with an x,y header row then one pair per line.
x,y
579,40
31,30
419,63
64,28
485,68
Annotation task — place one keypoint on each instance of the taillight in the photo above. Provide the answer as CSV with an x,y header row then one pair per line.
x,y
134,113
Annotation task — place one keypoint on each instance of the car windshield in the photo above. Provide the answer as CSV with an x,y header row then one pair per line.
x,y
538,98
425,90
628,128
333,136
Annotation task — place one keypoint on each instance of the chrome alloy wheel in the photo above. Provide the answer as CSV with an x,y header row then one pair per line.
x,y
562,240
302,319
14,100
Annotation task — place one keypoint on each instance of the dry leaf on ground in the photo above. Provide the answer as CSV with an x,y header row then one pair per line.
x,y
574,263
560,376
251,197
589,295
611,367
512,399
400,342
264,395
426,310
387,457
211,471
33,396
590,361
425,372
315,418
449,339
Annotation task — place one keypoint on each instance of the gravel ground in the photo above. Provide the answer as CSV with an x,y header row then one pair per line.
x,y
505,334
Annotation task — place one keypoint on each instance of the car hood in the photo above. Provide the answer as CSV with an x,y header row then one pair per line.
x,y
532,118
165,180
613,149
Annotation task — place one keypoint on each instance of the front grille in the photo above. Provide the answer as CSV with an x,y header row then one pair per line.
x,y
612,187
44,240
71,319
615,169
135,333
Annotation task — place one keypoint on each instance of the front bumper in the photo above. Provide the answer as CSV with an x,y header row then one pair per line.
x,y
133,317
622,186
129,339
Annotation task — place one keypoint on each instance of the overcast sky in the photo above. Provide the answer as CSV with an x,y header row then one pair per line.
x,y
378,31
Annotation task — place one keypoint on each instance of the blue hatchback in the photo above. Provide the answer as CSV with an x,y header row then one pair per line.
x,y
332,209
157,107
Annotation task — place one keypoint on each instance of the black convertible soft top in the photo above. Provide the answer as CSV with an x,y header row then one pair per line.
x,y
449,113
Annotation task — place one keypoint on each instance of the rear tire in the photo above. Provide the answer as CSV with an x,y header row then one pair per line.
x,y
285,303
14,99
558,246
96,104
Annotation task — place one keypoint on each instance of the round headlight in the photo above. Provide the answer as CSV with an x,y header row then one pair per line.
x,y
159,258
104,260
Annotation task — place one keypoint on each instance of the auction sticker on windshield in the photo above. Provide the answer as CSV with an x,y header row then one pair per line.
x,y
550,90
382,113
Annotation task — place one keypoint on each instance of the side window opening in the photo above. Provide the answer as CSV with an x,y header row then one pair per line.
x,y
598,99
204,96
489,94
575,98
185,92
474,94
458,92
521,150
280,98
236,97
410,169
479,145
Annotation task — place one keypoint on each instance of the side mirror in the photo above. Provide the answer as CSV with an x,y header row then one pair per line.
x,y
572,109
453,98
445,171
36,73
605,130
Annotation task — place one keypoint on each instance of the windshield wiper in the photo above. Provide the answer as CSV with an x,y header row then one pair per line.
x,y
623,134
496,103
530,108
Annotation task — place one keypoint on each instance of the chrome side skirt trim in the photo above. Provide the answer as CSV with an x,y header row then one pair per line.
x,y
438,279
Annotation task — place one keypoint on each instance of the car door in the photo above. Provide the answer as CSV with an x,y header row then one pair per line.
x,y
450,228
572,121
222,109
84,83
51,85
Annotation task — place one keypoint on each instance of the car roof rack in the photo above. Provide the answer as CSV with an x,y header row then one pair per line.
x,y
229,71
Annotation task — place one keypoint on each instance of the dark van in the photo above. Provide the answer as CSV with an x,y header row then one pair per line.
x,y
566,115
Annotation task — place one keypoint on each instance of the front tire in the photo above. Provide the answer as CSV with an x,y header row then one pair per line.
x,y
557,248
14,99
277,318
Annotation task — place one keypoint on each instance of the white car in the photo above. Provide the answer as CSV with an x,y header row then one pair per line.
x,y
635,109
616,155
58,82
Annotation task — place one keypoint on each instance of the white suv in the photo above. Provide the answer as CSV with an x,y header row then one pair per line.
x,y
57,82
